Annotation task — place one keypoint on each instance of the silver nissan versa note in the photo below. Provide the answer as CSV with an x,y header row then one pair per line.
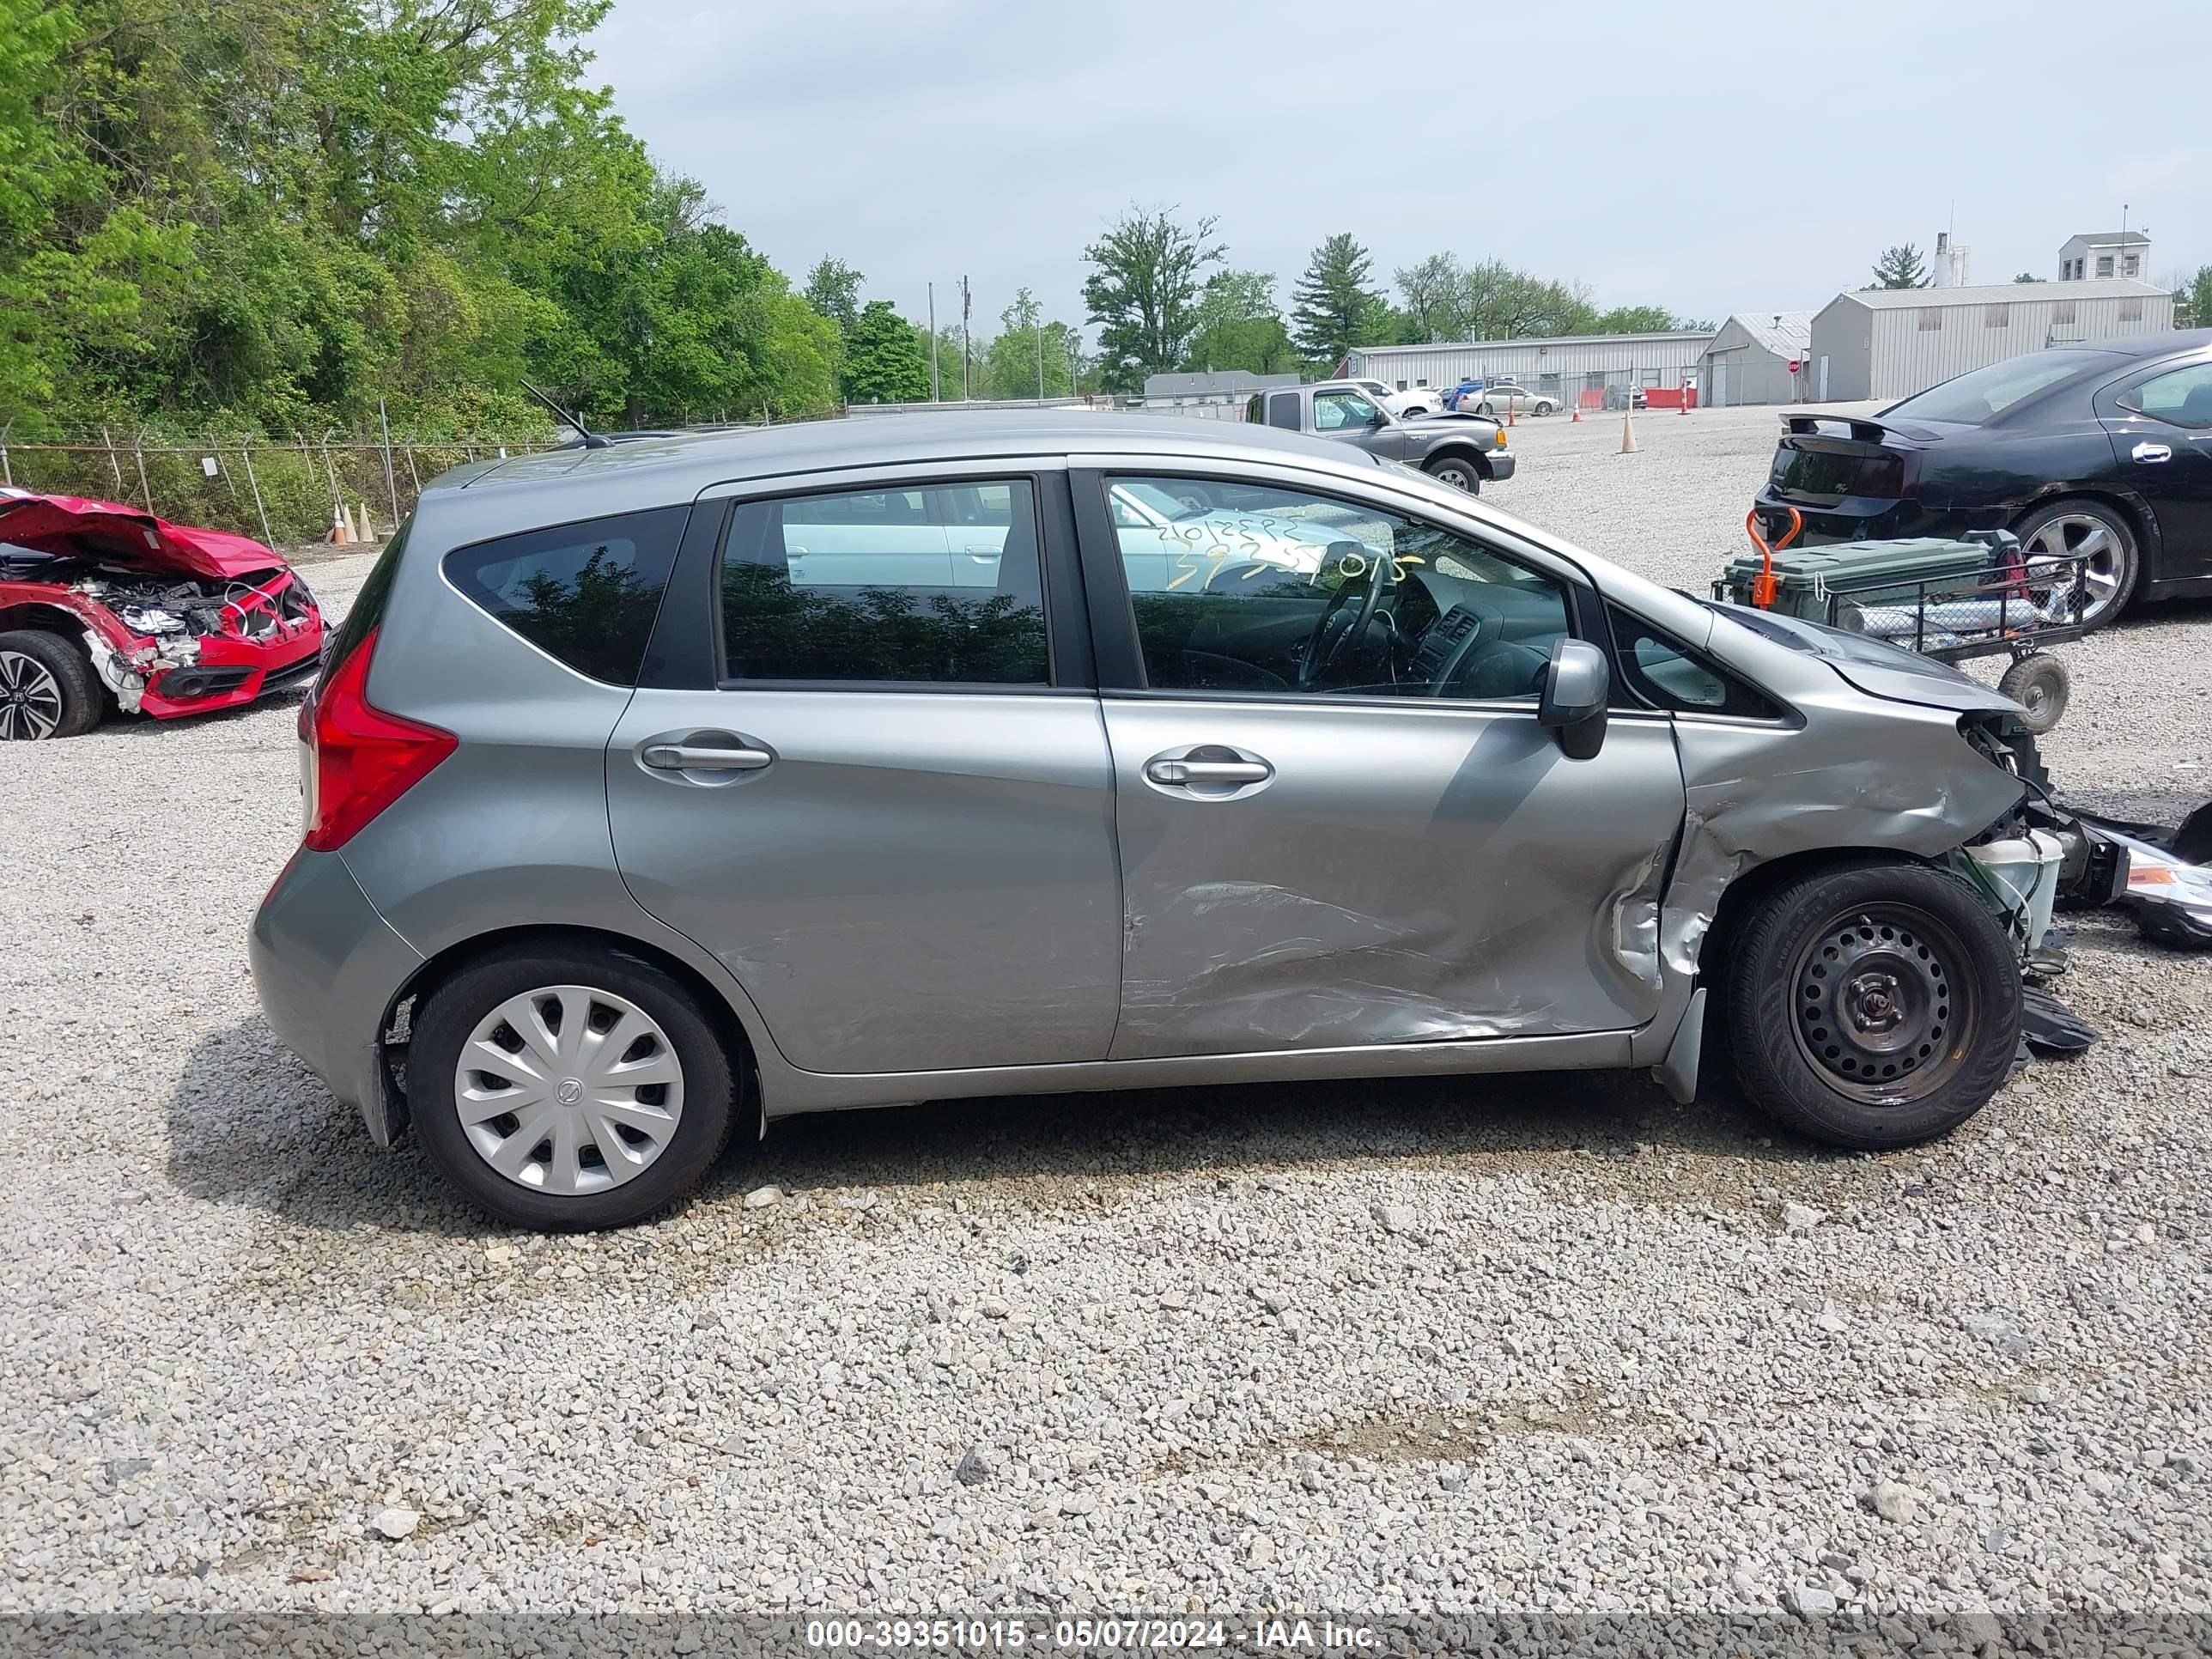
x,y
660,788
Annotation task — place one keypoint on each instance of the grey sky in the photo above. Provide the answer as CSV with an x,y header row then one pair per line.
x,y
1710,157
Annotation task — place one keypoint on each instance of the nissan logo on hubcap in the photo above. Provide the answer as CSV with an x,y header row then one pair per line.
x,y
569,1092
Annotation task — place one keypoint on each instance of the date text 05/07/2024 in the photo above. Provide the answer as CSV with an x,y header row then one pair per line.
x,y
1090,1635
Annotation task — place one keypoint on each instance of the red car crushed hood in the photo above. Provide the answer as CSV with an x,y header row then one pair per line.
x,y
176,619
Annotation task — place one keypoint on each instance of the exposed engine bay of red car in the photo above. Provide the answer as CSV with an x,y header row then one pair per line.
x,y
171,620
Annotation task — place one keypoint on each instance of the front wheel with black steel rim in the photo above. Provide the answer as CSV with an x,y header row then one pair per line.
x,y
1458,472
2092,539
47,688
568,1089
1874,1006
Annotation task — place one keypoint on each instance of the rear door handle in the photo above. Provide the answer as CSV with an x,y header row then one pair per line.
x,y
702,757
1204,771
2150,453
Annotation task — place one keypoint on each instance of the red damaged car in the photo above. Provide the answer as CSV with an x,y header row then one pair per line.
x,y
101,602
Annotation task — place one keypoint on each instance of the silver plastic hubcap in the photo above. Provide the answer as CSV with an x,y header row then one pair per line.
x,y
30,699
2103,562
569,1090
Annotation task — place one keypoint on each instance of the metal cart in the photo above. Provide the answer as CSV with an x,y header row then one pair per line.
x,y
1981,596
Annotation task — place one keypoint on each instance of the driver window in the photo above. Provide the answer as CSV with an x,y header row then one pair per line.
x,y
1335,411
1256,589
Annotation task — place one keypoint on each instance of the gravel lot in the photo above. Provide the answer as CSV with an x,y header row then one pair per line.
x,y
1546,1343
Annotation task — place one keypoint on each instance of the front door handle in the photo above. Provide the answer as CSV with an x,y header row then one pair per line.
x,y
1208,771
2150,453
700,757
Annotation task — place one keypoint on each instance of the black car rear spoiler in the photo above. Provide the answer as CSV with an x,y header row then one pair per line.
x,y
1862,429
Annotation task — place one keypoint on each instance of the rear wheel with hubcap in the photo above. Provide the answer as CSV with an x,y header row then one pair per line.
x,y
2098,538
1874,1006
568,1088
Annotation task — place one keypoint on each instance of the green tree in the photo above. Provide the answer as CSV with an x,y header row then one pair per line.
x,y
833,287
1027,344
2192,297
1635,319
886,358
2027,276
255,214
1333,309
1239,327
1143,293
1435,292
1899,267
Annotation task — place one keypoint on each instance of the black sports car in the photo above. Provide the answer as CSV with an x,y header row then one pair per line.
x,y
2102,450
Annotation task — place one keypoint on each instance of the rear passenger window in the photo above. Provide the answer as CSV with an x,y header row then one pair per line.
x,y
584,593
942,583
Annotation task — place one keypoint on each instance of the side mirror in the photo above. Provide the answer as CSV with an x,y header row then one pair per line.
x,y
1380,417
1578,686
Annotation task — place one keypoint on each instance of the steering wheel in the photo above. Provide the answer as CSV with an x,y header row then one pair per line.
x,y
1331,633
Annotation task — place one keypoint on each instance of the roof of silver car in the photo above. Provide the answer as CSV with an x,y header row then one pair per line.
x,y
734,452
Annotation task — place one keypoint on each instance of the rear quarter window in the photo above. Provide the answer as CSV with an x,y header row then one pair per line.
x,y
584,594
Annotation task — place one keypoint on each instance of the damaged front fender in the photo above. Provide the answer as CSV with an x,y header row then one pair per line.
x,y
1889,778
127,672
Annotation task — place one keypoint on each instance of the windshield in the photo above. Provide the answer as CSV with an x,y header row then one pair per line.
x,y
1984,393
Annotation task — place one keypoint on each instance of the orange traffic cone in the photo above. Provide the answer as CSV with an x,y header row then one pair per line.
x,y
1575,419
1628,430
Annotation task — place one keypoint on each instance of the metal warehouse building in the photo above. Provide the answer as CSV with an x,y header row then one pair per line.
x,y
1748,361
1559,367
1892,342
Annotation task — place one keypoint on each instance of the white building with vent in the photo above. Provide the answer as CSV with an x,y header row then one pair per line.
x,y
1892,342
1749,360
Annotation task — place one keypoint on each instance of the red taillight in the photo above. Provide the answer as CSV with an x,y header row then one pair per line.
x,y
362,759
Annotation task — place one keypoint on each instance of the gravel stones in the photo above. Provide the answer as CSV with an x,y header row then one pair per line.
x,y
396,1523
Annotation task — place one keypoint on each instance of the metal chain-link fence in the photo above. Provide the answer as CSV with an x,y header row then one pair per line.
x,y
283,492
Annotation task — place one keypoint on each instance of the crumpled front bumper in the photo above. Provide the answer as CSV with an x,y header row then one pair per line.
x,y
168,676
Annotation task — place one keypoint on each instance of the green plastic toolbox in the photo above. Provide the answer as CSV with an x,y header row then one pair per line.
x,y
1871,574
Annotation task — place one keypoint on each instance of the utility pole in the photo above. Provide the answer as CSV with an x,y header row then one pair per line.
x,y
967,304
936,395
1039,345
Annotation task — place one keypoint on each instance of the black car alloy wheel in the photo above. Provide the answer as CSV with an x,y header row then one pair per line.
x,y
30,699
1882,1008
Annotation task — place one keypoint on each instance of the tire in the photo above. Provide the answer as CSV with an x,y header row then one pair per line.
x,y
701,1104
1456,471
1485,411
47,688
2113,566
2041,686
1543,408
1911,945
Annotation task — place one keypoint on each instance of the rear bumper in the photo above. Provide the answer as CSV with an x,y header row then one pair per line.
x,y
326,967
1869,518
